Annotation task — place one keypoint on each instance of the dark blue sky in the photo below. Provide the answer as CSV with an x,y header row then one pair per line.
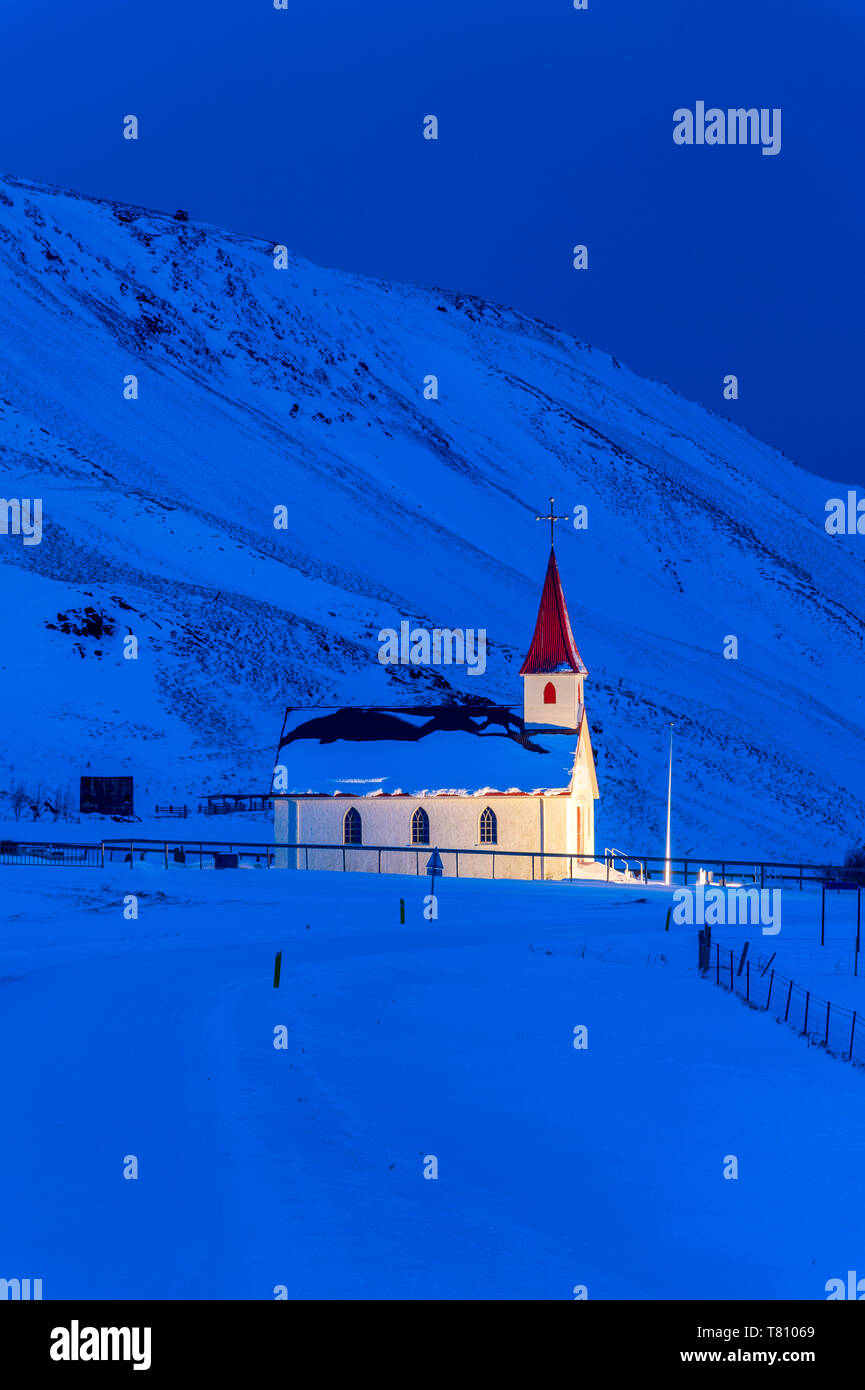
x,y
555,128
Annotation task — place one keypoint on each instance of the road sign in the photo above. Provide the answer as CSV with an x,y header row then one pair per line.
x,y
434,865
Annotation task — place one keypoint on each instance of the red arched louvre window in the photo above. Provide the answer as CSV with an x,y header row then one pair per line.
x,y
549,693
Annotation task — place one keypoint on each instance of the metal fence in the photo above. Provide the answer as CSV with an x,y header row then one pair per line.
x,y
726,871
486,862
825,1024
403,859
44,853
196,854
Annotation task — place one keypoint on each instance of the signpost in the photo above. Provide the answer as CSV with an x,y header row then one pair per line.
x,y
841,885
435,869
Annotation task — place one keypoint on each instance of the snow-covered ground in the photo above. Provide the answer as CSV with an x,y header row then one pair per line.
x,y
304,1167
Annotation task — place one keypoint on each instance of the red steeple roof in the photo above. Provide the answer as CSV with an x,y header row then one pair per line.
x,y
553,647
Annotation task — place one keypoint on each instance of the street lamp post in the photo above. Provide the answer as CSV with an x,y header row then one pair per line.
x,y
668,864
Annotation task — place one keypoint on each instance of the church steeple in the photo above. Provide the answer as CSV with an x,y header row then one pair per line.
x,y
553,671
553,647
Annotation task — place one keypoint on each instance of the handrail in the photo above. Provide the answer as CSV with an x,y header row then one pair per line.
x,y
682,866
137,840
612,854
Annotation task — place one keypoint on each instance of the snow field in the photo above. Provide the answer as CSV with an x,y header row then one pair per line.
x,y
303,1167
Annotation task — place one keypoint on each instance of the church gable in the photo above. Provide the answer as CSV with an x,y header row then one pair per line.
x,y
586,759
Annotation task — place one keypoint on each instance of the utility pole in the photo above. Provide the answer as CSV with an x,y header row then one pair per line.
x,y
668,864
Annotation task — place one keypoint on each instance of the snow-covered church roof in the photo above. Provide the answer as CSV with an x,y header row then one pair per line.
x,y
443,750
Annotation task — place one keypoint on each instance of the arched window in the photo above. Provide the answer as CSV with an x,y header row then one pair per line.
x,y
420,827
549,693
489,827
352,827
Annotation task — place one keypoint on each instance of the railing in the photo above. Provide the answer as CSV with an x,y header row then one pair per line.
x,y
731,869
44,853
234,803
457,863
175,853
614,856
367,858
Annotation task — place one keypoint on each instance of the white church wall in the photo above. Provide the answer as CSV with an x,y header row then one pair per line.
x,y
454,823
284,832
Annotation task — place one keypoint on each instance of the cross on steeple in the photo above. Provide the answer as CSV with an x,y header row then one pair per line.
x,y
552,520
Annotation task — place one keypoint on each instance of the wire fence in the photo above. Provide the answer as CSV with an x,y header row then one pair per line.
x,y
840,1031
805,956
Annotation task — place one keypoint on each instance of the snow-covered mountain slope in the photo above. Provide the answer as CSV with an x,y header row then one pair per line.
x,y
303,387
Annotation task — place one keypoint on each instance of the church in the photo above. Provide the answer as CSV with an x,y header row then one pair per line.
x,y
499,791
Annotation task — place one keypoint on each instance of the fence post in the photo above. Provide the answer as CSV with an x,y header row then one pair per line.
x,y
343,858
165,848
852,1031
769,996
200,856
823,918
828,1006
607,857
789,995
379,860
747,982
306,856
457,862
717,963
102,847
807,1002
731,971
800,878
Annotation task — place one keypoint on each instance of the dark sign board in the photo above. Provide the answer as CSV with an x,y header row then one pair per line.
x,y
107,796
